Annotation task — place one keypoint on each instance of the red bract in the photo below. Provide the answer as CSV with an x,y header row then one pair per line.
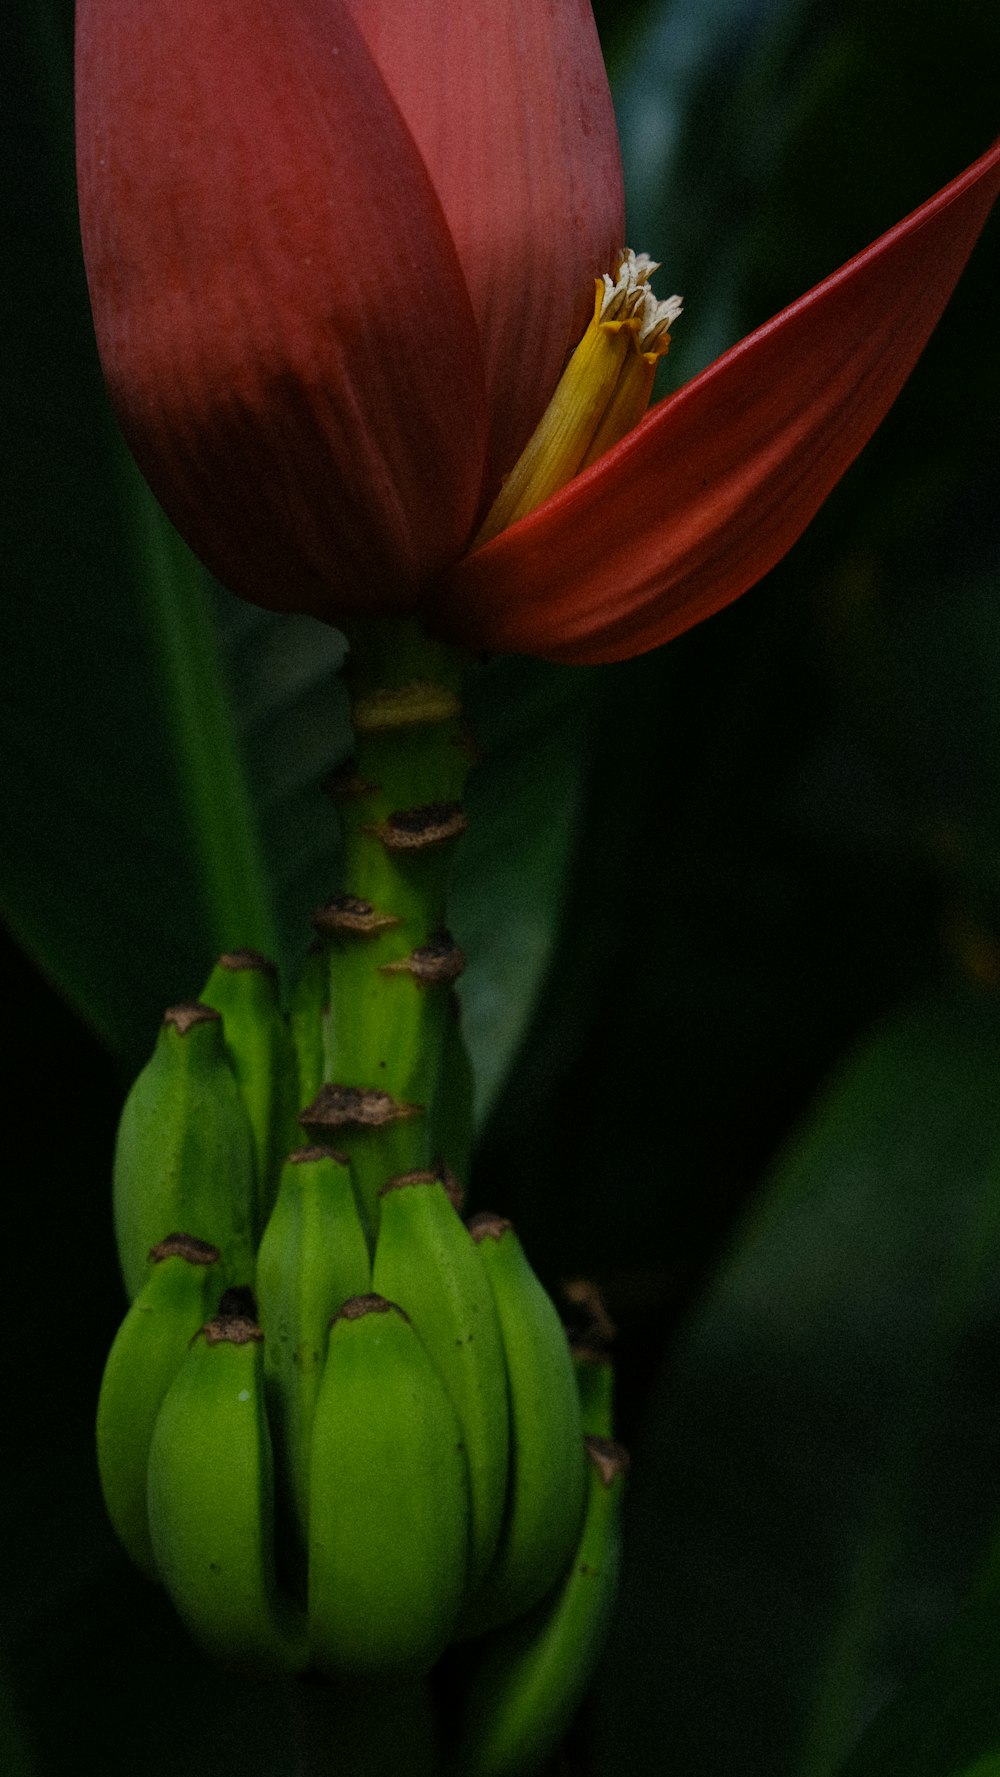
x,y
714,486
338,252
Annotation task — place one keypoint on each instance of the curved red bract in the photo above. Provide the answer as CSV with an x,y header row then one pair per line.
x,y
717,482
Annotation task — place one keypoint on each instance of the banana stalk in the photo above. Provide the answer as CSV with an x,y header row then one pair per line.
x,y
391,1033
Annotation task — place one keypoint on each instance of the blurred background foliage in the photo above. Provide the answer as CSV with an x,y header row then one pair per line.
x,y
735,1001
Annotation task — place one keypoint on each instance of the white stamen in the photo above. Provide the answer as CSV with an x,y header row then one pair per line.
x,y
657,318
627,297
625,292
640,265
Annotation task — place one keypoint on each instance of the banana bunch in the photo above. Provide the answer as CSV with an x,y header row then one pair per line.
x,y
345,1450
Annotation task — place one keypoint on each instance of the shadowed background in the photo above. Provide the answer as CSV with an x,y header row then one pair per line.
x,y
734,914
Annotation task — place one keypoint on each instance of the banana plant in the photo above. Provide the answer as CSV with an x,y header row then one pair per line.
x,y
368,322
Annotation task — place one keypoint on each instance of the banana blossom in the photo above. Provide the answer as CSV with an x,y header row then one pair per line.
x,y
339,253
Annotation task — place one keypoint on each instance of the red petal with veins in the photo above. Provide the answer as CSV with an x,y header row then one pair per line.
x,y
282,319
508,103
716,484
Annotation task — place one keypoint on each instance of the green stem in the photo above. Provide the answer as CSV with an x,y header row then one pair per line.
x,y
394,1064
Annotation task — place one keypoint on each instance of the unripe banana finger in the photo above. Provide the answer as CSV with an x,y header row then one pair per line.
x,y
211,1504
426,1261
547,1477
148,1351
531,1676
243,987
595,1381
185,1156
389,1504
308,1018
313,1256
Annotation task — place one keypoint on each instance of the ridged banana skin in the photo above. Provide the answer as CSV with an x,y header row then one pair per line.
x,y
595,1381
308,1018
243,987
532,1675
312,1257
211,1505
389,1509
426,1261
178,1296
184,1156
547,1475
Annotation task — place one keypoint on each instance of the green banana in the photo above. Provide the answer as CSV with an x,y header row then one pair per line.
x,y
243,986
531,1676
389,1505
184,1156
425,1261
211,1505
595,1380
312,1257
547,1479
452,1106
148,1351
309,1018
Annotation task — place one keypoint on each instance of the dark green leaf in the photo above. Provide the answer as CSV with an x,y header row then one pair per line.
x,y
513,866
946,1721
819,1478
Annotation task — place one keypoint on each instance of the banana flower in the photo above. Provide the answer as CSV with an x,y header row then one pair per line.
x,y
339,253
